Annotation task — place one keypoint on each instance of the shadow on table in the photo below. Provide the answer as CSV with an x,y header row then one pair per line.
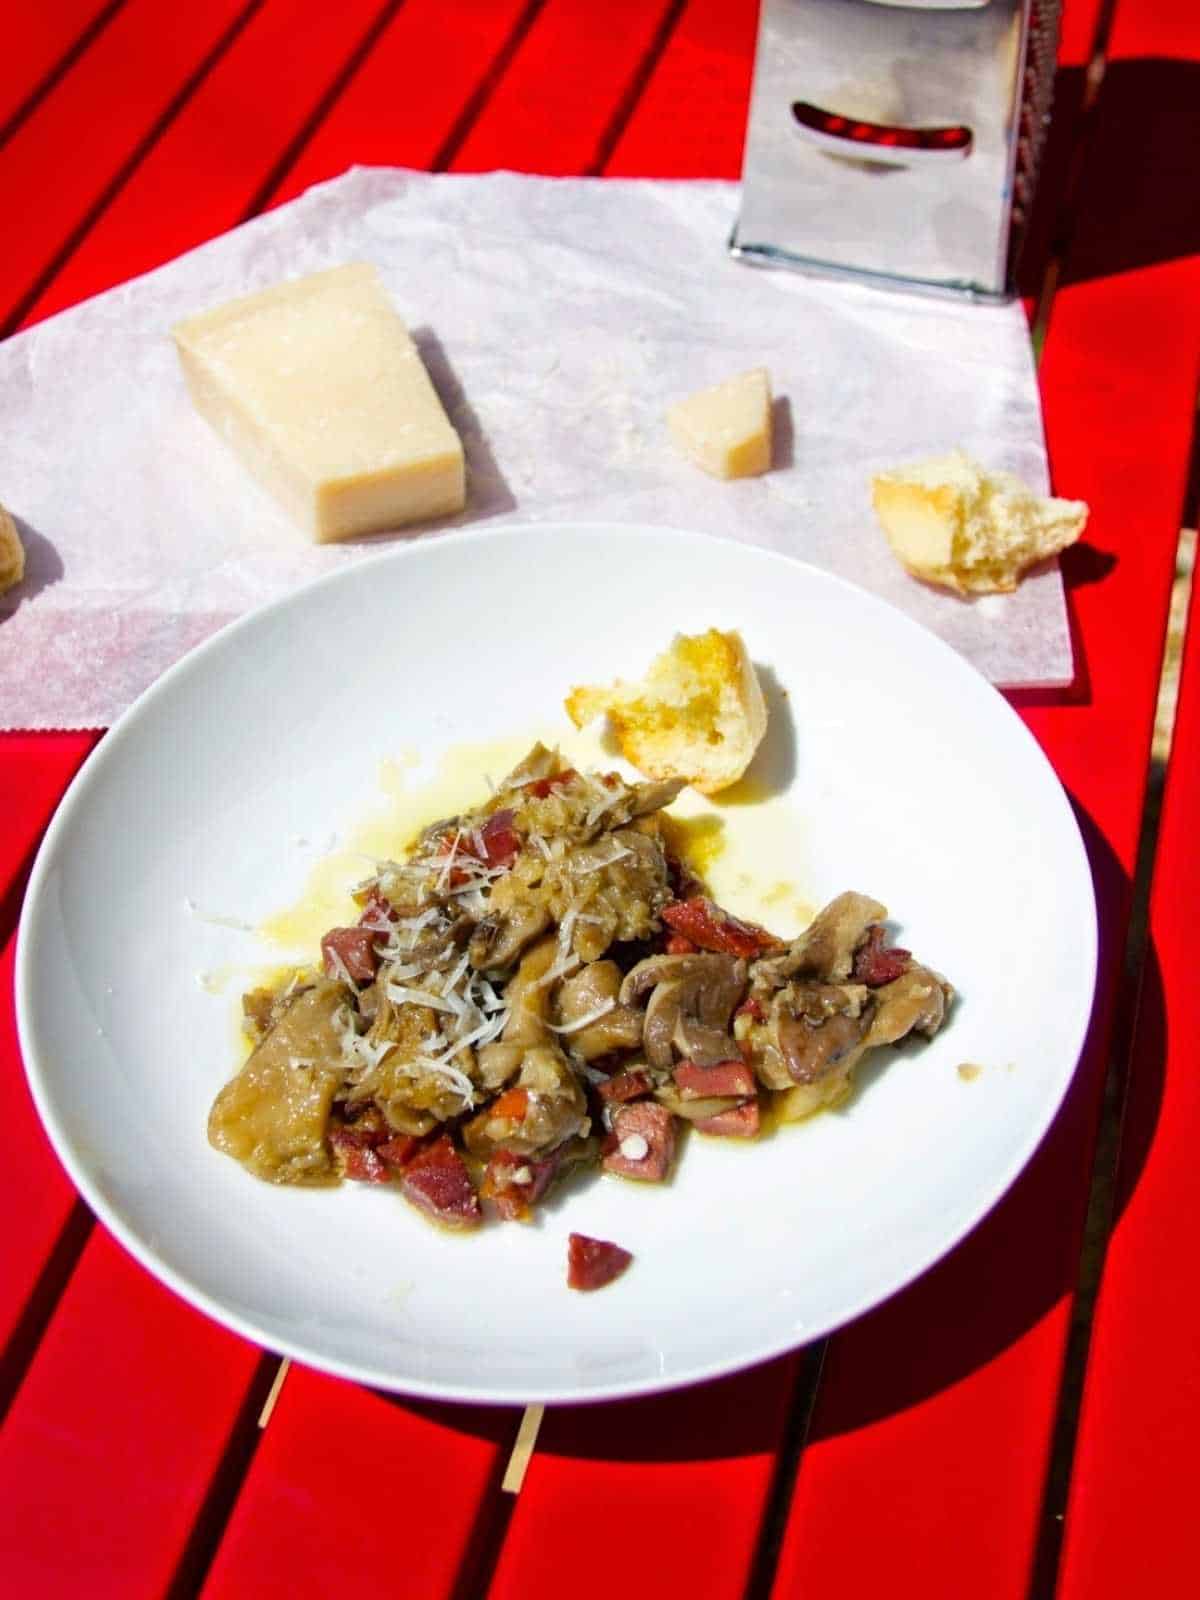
x,y
43,567
1023,1259
1145,133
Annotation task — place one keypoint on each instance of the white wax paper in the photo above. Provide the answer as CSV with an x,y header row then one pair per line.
x,y
558,319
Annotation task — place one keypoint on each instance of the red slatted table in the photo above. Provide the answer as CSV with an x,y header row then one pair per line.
x,y
917,1444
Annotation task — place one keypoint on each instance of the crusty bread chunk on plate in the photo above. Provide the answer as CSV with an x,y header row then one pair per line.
x,y
698,714
955,523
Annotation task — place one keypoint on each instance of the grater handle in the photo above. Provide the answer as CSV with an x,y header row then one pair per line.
x,y
876,141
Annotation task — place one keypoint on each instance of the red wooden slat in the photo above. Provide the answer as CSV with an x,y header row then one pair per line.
x,y
957,1467
401,106
559,94
202,174
691,121
33,1187
674,1490
112,1443
1130,1525
354,1492
37,39
71,149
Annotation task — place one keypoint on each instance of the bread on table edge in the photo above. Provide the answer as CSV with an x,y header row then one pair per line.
x,y
953,522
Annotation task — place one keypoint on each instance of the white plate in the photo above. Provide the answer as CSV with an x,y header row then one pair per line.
x,y
911,779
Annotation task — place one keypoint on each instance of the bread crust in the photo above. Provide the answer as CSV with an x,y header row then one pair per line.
x,y
12,553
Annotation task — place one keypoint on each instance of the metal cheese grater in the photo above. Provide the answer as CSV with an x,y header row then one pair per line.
x,y
897,141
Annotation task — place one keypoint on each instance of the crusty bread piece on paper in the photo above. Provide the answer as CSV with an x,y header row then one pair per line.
x,y
12,553
698,714
960,525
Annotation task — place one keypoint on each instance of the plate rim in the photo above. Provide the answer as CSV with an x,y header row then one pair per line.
x,y
108,750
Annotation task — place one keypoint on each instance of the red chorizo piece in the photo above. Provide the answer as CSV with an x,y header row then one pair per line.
x,y
732,1079
738,1122
378,913
710,928
360,1158
500,840
591,1263
642,1142
875,965
354,948
622,1086
437,1182
399,1150
541,787
514,1183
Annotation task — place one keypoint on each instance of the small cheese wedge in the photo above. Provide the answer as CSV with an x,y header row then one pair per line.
x,y
727,429
958,524
12,553
318,387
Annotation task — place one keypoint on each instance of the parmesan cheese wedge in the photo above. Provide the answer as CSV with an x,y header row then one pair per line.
x,y
12,553
319,389
727,429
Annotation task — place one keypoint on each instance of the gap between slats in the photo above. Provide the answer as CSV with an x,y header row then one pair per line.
x,y
322,109
470,113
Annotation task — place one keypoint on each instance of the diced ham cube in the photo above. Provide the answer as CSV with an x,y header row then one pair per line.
x,y
591,1263
354,948
727,1078
641,1122
738,1122
437,1182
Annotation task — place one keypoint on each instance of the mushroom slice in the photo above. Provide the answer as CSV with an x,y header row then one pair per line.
x,y
528,1000
648,797
915,1002
499,940
692,999
825,950
596,990
821,1028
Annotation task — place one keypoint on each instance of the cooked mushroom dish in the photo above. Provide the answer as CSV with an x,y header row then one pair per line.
x,y
542,986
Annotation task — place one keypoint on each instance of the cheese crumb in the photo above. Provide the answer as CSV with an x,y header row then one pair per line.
x,y
634,1147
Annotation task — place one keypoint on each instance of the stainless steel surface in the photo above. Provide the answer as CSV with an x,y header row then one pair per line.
x,y
885,138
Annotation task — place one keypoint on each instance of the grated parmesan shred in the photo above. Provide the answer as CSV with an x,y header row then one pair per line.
x,y
585,1021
